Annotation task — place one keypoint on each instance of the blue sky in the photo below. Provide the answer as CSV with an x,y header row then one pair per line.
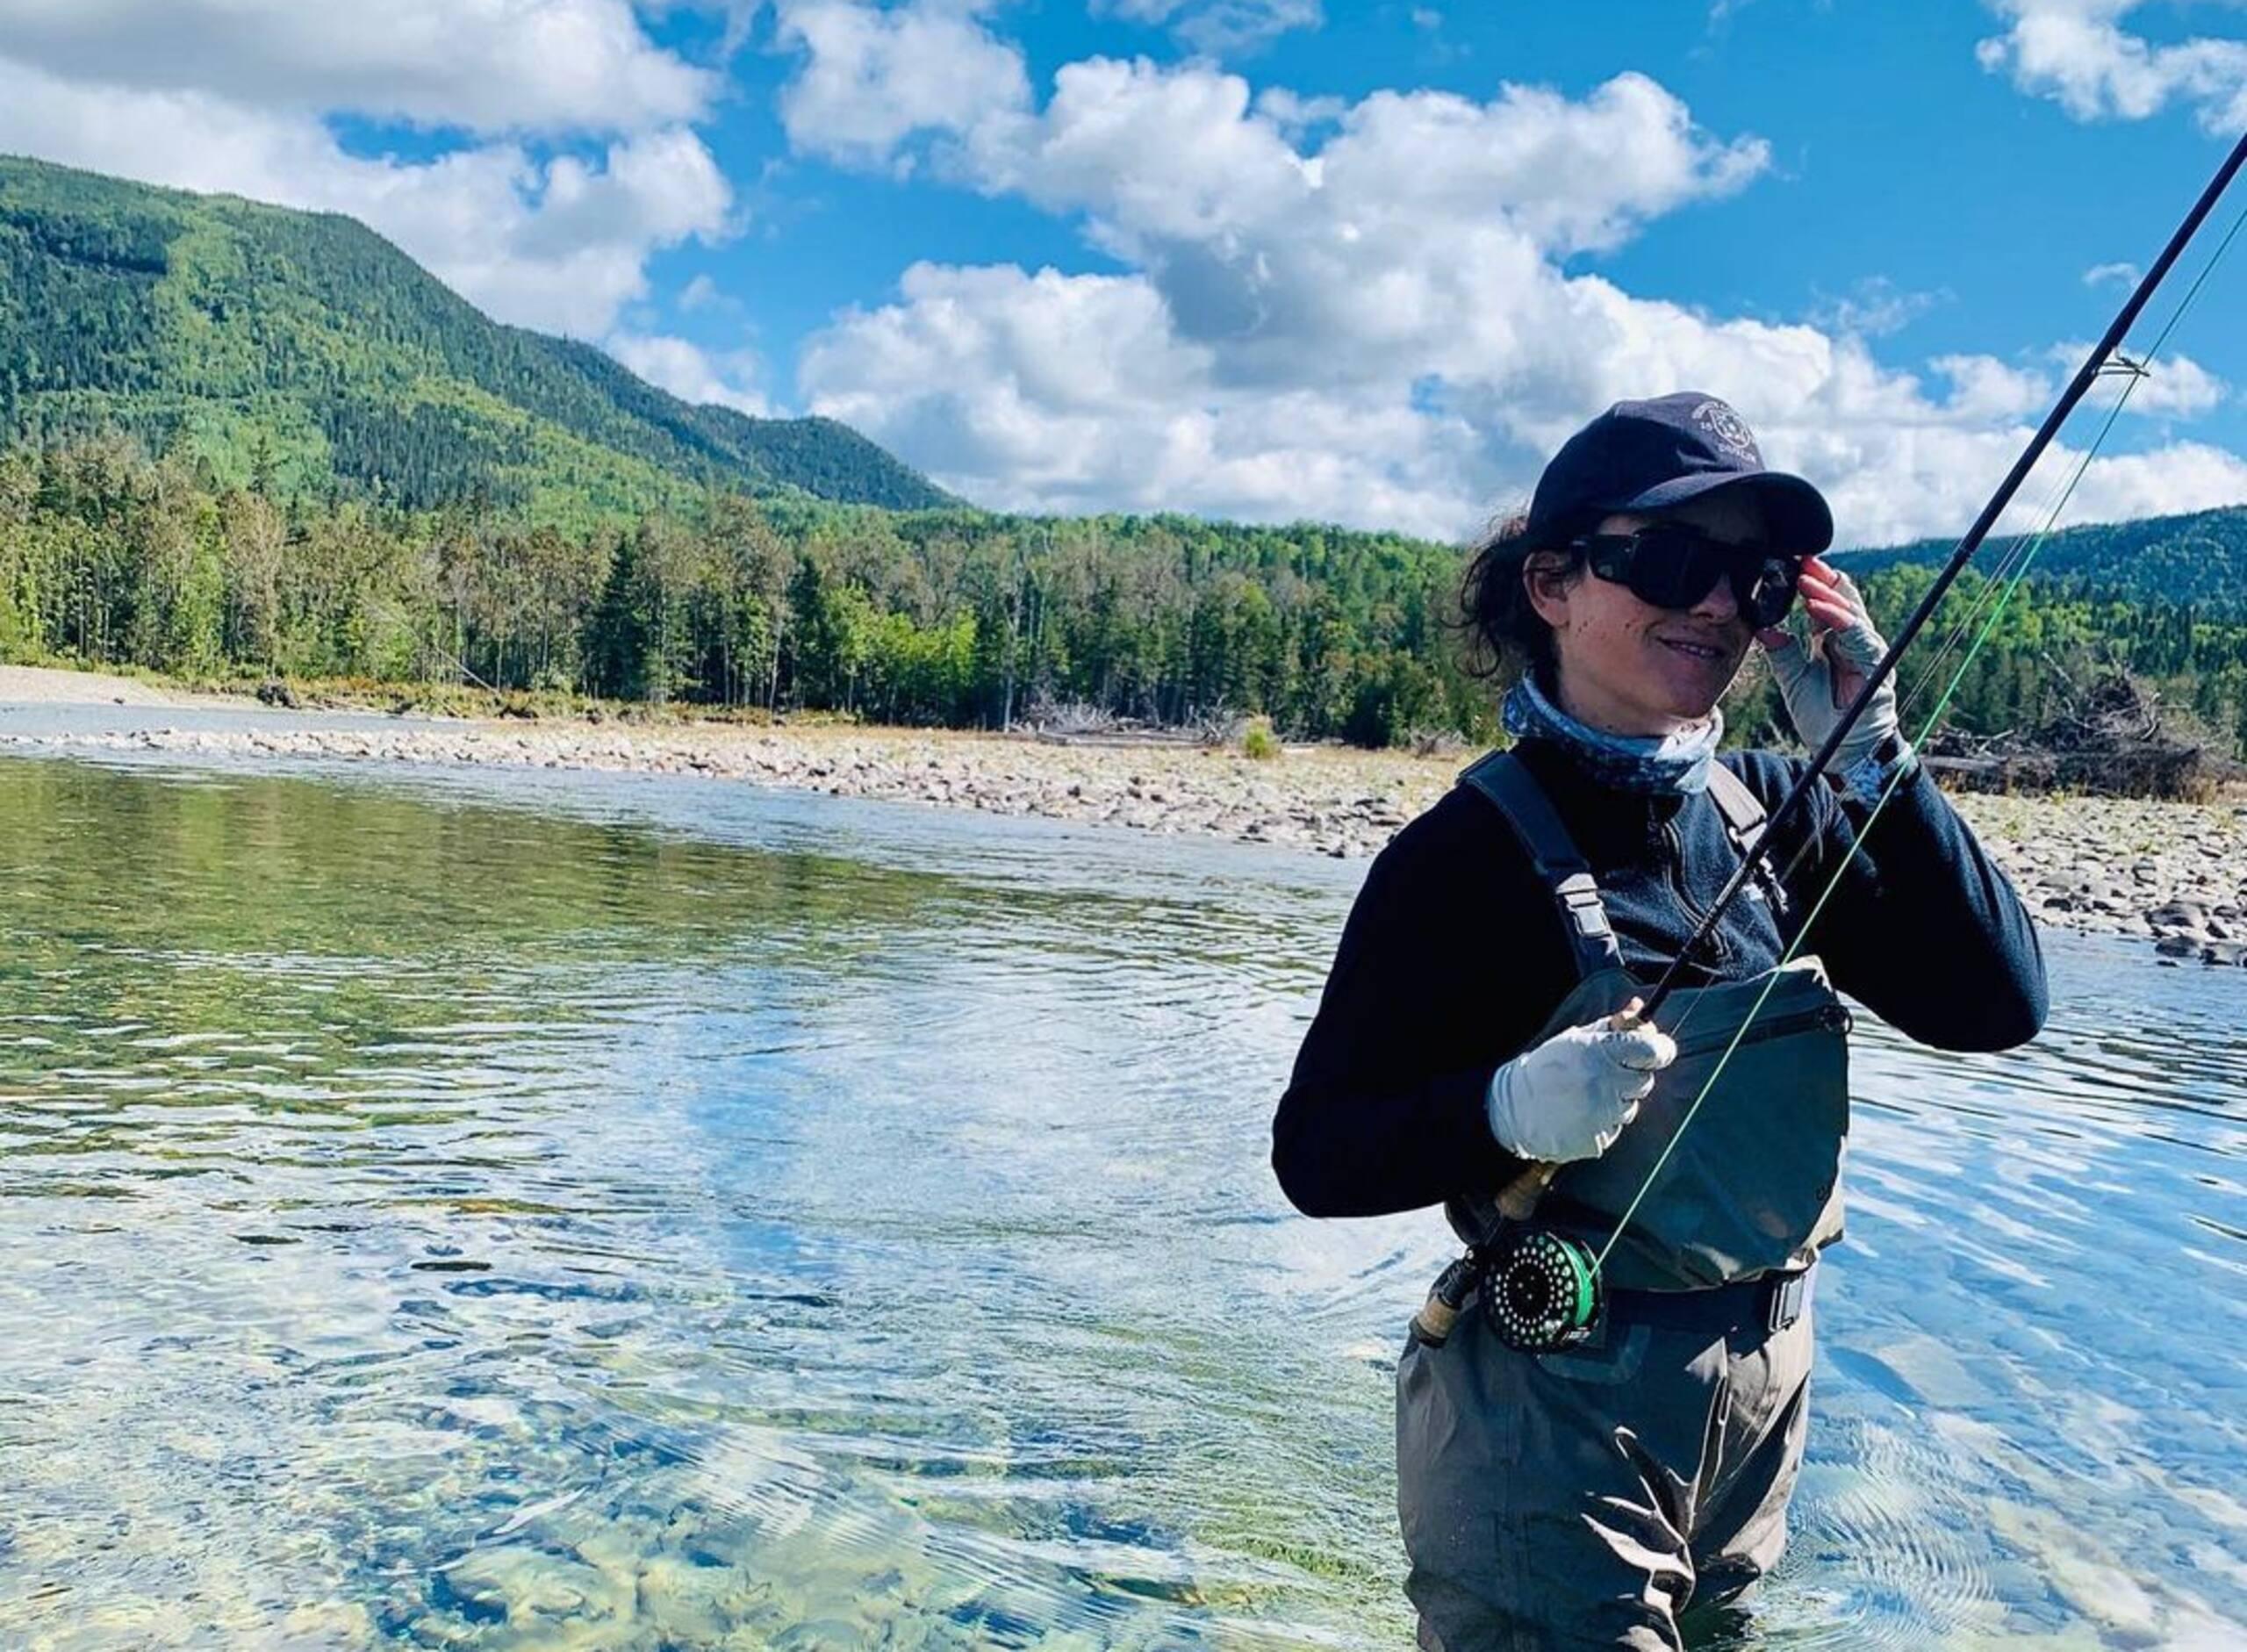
x,y
1262,258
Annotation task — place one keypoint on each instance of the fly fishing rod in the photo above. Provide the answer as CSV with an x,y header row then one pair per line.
x,y
2079,387
1543,1288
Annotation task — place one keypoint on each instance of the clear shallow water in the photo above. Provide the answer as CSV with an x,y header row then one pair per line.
x,y
528,1210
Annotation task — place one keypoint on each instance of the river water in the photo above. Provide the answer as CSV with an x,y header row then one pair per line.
x,y
513,1210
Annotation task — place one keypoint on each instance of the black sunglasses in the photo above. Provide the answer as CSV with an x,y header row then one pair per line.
x,y
1671,565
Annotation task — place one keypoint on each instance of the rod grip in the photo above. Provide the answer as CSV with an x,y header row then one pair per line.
x,y
1517,1201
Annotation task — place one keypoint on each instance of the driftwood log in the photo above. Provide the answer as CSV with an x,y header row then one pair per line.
x,y
2111,736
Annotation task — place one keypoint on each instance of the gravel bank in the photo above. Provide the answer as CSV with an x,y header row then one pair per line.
x,y
40,685
2173,874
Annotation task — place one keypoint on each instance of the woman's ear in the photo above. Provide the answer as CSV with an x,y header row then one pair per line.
x,y
1546,579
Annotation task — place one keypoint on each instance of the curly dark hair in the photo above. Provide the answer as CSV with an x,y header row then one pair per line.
x,y
1508,637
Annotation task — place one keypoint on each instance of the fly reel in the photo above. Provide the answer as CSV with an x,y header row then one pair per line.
x,y
1539,1288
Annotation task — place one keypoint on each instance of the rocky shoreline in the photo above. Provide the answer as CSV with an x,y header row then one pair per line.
x,y
2173,874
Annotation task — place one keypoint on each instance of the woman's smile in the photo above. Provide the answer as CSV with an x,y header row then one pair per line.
x,y
1706,659
1724,649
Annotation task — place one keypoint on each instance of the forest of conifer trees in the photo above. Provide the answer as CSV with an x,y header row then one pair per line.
x,y
948,617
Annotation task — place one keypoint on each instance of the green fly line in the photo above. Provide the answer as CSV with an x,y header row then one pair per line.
x,y
2001,588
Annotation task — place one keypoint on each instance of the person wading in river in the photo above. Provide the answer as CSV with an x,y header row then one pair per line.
x,y
1477,1023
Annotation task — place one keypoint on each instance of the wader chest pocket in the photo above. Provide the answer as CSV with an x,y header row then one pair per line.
x,y
1734,1161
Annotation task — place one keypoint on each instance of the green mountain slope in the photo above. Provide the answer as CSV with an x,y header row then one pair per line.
x,y
303,348
2200,558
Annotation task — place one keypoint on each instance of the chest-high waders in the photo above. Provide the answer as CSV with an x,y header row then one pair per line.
x,y
1581,1496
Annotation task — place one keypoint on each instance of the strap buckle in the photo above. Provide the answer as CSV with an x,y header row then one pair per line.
x,y
1580,898
1790,1295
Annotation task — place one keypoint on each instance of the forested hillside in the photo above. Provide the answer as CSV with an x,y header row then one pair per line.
x,y
939,617
951,617
2199,559
302,354
2055,636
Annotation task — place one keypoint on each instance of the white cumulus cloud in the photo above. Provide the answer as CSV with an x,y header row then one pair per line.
x,y
2187,476
2077,53
872,77
1984,387
1158,155
2180,387
2173,386
692,373
1374,317
484,65
1076,393
1221,27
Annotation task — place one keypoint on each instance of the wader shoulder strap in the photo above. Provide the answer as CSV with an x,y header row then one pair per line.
x,y
1744,816
1501,777
1742,809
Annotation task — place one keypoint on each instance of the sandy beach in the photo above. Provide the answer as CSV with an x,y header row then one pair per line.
x,y
2173,874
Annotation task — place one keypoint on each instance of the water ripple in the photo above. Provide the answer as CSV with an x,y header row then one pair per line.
x,y
532,1211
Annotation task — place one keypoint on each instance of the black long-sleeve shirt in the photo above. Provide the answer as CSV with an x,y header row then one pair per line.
x,y
1453,957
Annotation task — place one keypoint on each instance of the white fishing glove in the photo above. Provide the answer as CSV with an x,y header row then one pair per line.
x,y
1571,1097
1818,683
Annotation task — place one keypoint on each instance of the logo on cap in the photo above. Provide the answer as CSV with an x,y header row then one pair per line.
x,y
1728,431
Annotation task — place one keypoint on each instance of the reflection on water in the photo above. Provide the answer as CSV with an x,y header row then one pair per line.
x,y
523,1211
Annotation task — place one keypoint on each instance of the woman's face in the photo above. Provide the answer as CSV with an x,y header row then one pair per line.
x,y
1631,668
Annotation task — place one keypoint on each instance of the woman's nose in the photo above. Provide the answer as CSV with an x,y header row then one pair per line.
x,y
1721,602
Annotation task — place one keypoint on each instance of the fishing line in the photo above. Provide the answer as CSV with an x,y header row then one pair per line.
x,y
1794,948
2024,547
2019,552
1541,1287
405,622
2102,353
1982,636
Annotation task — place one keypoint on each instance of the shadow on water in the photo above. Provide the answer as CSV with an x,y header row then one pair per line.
x,y
534,1210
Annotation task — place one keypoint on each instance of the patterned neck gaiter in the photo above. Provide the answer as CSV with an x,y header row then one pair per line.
x,y
1629,763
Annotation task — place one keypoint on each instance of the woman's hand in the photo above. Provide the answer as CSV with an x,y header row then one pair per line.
x,y
1571,1097
1821,682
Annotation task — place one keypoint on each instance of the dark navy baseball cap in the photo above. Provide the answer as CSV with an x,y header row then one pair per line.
x,y
1652,456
